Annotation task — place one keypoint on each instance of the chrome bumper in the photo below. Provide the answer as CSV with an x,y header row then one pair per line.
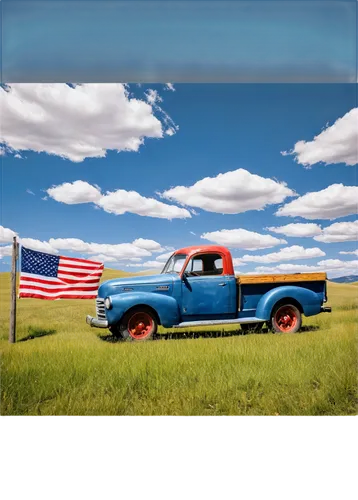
x,y
326,309
98,323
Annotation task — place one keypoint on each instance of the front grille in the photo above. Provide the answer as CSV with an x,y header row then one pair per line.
x,y
100,309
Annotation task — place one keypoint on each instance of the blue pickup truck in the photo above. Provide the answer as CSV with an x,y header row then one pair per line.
x,y
198,287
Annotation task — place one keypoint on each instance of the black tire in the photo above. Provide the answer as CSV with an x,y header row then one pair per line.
x,y
115,331
269,326
286,318
251,327
138,325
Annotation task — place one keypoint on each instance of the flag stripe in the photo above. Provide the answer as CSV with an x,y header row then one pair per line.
x,y
66,266
76,270
43,279
80,280
37,276
45,288
35,295
63,293
82,261
60,284
77,275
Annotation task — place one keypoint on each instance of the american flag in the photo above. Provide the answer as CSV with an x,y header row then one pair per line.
x,y
51,277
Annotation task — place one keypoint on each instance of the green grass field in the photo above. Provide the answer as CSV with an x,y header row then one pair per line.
x,y
60,366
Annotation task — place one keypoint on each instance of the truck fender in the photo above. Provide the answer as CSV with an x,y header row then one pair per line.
x,y
166,307
308,301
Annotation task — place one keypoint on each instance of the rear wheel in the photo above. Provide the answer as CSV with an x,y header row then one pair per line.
x,y
138,325
286,319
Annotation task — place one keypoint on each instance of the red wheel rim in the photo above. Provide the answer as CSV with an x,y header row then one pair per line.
x,y
286,318
140,325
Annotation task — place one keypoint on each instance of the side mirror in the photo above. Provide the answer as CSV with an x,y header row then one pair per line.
x,y
185,275
185,280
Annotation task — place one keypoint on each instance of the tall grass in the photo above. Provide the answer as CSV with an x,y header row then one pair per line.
x,y
66,368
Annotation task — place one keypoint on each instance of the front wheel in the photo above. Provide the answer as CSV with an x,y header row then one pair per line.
x,y
286,319
138,324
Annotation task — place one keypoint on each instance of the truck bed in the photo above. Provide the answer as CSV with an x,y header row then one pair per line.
x,y
279,278
251,287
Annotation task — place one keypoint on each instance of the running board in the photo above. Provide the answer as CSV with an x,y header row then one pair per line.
x,y
235,321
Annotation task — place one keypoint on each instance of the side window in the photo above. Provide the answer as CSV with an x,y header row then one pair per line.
x,y
195,265
198,265
205,265
218,264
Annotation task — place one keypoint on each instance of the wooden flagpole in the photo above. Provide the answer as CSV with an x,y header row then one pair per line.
x,y
12,328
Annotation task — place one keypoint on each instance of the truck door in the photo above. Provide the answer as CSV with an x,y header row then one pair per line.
x,y
205,290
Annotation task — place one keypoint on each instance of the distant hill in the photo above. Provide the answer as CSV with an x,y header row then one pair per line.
x,y
147,273
346,279
110,273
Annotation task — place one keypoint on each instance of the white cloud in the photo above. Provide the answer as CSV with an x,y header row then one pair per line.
x,y
238,262
78,122
117,202
121,201
40,246
354,252
120,251
164,257
192,232
338,232
169,86
231,193
333,267
150,245
294,252
297,230
5,251
30,192
336,264
73,244
335,201
107,258
132,252
2,151
241,238
336,144
103,258
6,234
77,192
286,268
153,97
150,264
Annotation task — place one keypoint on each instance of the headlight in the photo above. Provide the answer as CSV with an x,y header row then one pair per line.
x,y
108,302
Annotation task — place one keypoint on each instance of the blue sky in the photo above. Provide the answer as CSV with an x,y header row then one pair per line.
x,y
216,128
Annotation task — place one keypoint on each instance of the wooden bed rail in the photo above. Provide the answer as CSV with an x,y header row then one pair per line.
x,y
279,278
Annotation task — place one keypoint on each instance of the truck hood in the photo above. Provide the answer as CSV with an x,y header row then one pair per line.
x,y
138,283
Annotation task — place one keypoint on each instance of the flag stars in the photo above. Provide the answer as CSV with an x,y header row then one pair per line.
x,y
39,263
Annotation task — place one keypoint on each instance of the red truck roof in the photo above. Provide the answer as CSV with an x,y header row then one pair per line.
x,y
228,267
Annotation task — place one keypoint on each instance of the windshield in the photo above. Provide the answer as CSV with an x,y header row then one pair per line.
x,y
174,264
